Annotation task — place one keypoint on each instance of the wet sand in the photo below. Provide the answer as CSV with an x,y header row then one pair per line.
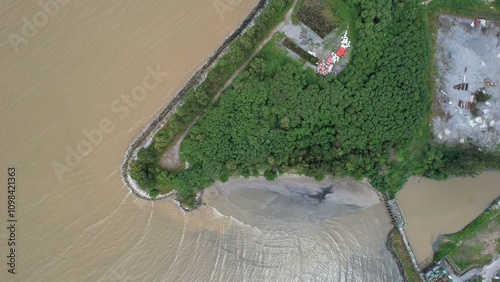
x,y
311,199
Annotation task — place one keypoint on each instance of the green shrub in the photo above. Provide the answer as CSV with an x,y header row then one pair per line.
x,y
153,193
270,175
482,97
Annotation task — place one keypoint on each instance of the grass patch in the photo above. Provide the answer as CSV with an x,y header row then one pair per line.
x,y
419,147
459,4
467,8
317,15
403,256
165,190
343,15
272,55
295,20
468,248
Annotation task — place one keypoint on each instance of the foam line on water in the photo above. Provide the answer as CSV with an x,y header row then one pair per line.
x,y
179,246
216,260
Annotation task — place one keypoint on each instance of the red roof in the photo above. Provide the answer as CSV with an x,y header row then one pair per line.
x,y
341,51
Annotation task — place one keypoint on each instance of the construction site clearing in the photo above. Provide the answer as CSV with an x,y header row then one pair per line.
x,y
467,108
325,67
330,52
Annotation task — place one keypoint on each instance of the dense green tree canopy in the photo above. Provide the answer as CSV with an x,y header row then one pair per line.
x,y
341,125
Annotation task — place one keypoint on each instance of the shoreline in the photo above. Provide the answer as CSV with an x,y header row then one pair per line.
x,y
147,134
335,191
399,261
493,206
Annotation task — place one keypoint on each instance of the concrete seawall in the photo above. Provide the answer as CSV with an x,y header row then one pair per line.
x,y
399,221
410,252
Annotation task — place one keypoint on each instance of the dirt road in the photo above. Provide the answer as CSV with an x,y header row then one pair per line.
x,y
171,158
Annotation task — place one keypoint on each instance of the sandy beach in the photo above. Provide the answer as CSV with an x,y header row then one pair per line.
x,y
310,199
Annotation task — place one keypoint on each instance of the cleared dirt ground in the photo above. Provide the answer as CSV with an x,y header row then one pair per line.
x,y
466,54
308,40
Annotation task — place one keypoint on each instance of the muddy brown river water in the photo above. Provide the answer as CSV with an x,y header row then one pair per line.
x,y
433,207
79,80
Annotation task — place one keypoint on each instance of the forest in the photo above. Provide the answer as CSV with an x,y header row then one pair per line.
x,y
282,118
369,121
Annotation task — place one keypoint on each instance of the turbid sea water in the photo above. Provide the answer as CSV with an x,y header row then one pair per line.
x,y
79,80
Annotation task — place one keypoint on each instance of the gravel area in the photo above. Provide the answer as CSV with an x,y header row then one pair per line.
x,y
308,40
470,55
